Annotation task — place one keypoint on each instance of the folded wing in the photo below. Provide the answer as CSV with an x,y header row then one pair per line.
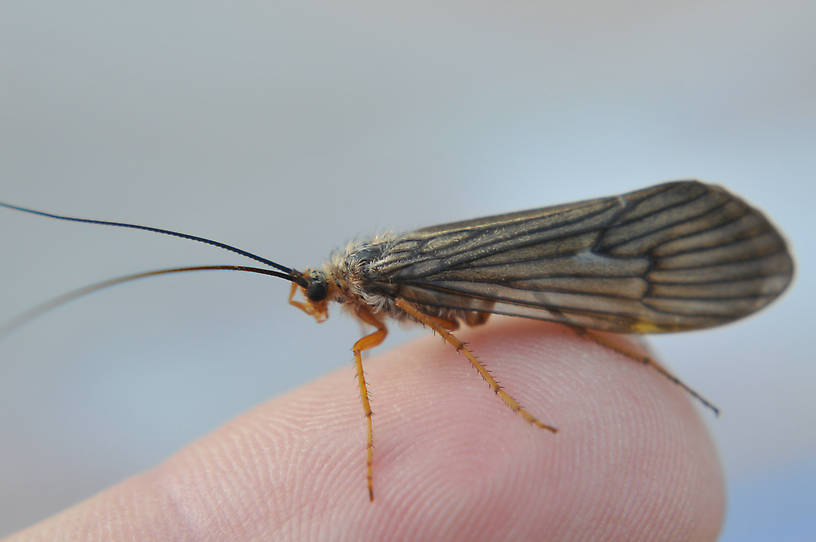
x,y
681,255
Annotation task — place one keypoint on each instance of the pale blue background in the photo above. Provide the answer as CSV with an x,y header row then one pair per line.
x,y
289,128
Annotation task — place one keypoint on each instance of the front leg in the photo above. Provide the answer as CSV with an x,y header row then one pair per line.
x,y
366,343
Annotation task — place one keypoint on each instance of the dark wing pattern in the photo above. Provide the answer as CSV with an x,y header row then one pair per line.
x,y
681,255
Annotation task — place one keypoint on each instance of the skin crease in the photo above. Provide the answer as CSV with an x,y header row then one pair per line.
x,y
632,459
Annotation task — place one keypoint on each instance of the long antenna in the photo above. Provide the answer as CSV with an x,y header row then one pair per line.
x,y
294,276
7,327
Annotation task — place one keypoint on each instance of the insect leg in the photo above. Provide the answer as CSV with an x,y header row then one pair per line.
x,y
298,304
644,359
432,323
450,325
366,343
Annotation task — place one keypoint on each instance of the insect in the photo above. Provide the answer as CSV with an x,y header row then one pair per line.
x,y
676,256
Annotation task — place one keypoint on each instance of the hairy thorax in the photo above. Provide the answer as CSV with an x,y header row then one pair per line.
x,y
354,282
357,283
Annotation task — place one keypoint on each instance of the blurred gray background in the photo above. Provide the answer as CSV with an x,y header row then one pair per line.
x,y
288,128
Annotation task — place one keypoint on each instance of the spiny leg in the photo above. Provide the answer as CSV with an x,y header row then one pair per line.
x,y
644,359
433,323
366,343
450,325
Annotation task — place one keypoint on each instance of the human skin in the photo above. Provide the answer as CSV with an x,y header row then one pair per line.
x,y
632,459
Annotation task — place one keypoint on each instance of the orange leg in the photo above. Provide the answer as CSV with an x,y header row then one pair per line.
x,y
644,359
450,325
434,324
366,343
298,304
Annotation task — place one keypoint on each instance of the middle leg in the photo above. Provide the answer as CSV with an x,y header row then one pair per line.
x,y
432,323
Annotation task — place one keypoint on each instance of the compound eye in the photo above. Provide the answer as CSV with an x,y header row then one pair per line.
x,y
317,290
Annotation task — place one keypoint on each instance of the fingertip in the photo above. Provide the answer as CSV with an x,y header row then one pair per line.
x,y
627,443
625,455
